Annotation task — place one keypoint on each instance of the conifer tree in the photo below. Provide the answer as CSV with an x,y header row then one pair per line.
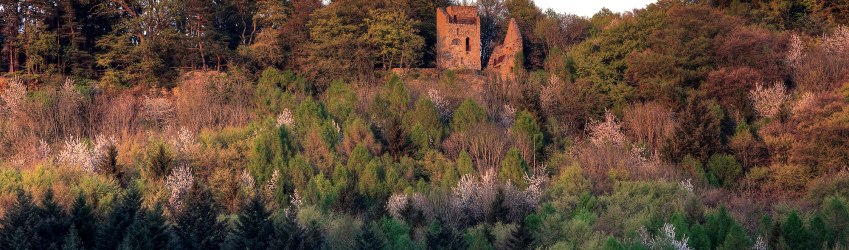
x,y
72,240
83,222
19,224
198,227
735,239
253,228
311,237
440,236
368,239
821,234
699,239
123,215
53,223
148,231
521,238
795,234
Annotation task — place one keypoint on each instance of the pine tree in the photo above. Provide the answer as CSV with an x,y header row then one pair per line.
x,y
52,225
699,239
444,237
795,234
522,238
197,227
368,239
285,233
613,244
821,234
123,215
253,229
835,213
148,231
735,239
717,226
83,222
311,237
19,224
72,240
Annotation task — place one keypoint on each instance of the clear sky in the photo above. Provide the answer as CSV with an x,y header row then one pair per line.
x,y
589,7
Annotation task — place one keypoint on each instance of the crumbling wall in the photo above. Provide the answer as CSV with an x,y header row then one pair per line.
x,y
503,59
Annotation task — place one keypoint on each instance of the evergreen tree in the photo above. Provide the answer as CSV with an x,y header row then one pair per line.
x,y
699,239
53,223
613,244
521,238
735,239
835,213
513,169
311,237
368,239
123,215
19,224
285,233
72,240
698,134
795,234
197,227
83,222
444,237
148,231
717,226
253,228
821,234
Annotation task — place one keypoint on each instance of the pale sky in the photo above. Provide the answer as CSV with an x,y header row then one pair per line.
x,y
589,7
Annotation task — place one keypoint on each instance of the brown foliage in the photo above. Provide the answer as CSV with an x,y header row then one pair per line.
x,y
212,99
649,123
731,86
756,48
486,145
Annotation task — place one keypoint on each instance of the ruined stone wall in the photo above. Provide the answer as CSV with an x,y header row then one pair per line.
x,y
458,44
503,58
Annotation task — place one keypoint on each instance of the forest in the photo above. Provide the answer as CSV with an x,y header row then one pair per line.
x,y
280,124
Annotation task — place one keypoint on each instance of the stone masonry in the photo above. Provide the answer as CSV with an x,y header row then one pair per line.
x,y
503,59
458,38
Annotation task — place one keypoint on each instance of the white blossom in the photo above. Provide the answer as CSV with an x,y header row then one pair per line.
x,y
247,180
795,52
157,109
838,42
396,205
76,153
285,118
440,103
185,142
760,244
665,239
607,131
272,183
179,182
687,185
767,101
12,98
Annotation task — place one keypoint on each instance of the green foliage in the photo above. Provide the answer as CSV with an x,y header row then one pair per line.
x,y
426,129
273,86
444,237
528,131
796,236
368,238
272,149
513,169
835,213
159,160
197,227
736,239
725,168
395,38
253,229
148,231
467,115
464,164
20,224
699,238
341,100
697,134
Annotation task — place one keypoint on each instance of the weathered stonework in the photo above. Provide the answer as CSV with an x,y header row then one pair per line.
x,y
503,59
458,38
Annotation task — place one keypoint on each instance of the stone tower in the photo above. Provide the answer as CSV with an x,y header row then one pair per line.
x,y
458,38
503,58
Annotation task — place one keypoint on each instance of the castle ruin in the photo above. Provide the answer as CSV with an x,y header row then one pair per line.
x,y
458,38
458,42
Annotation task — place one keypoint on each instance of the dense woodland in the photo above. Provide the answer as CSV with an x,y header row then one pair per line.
x,y
276,124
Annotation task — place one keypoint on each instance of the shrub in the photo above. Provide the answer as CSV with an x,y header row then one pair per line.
x,y
725,168
467,115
